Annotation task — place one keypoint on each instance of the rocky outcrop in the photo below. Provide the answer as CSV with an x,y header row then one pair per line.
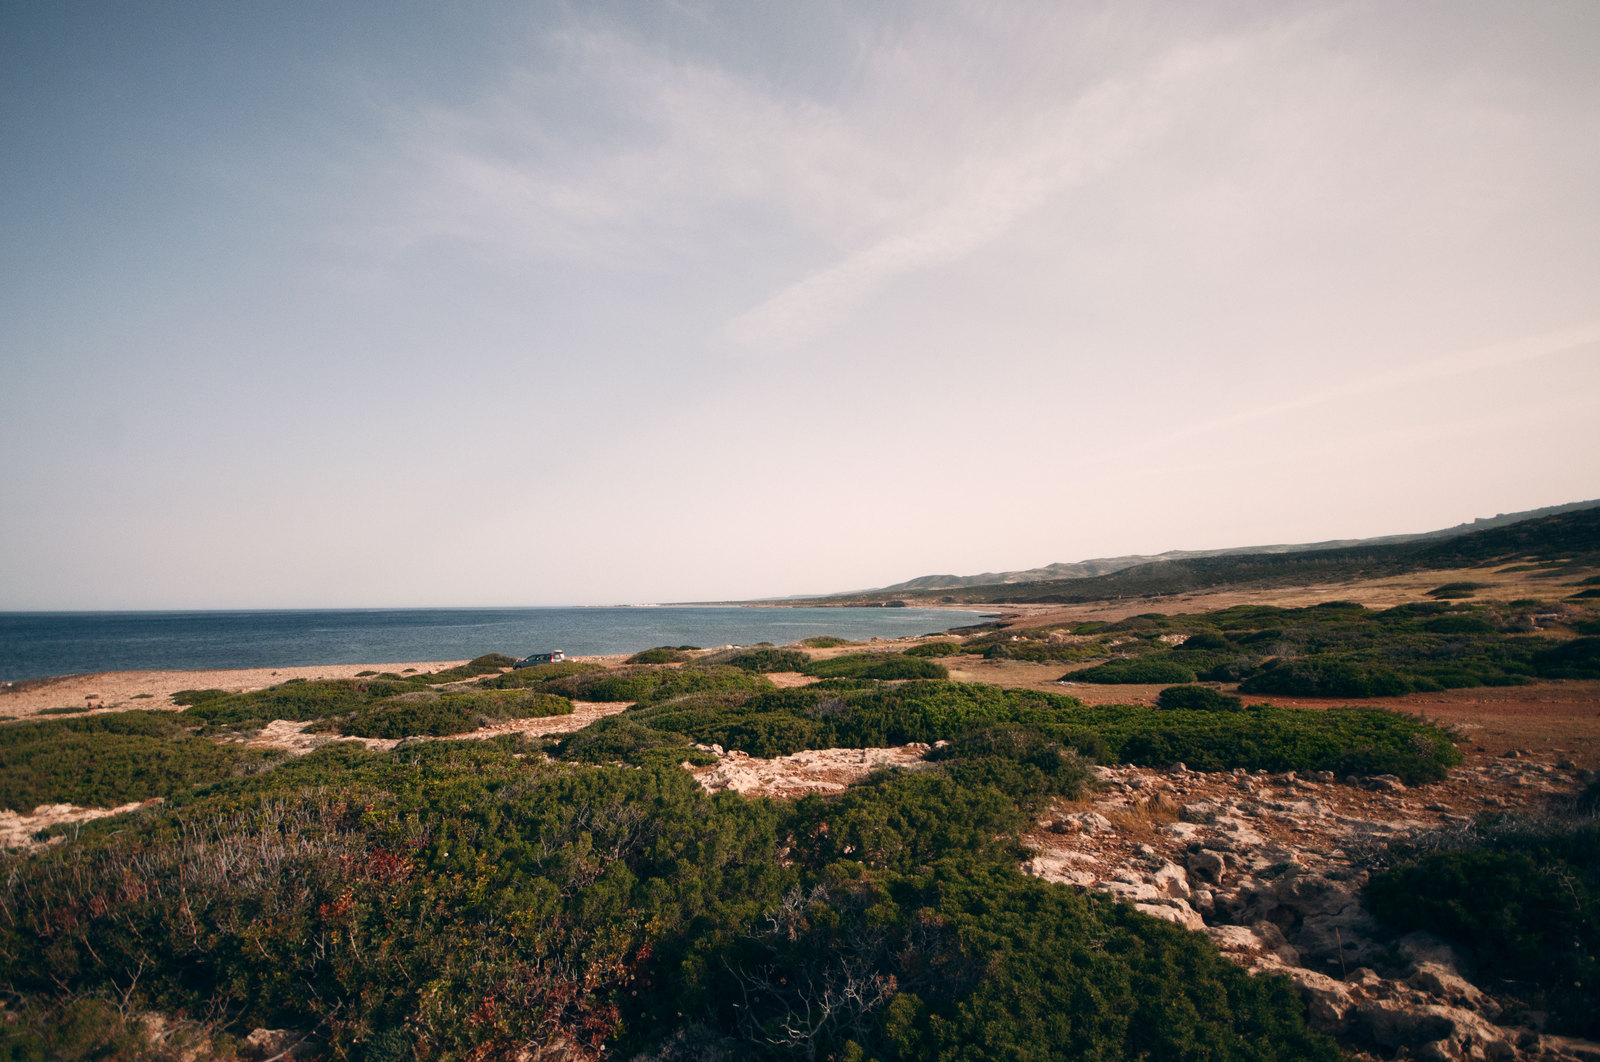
x,y
1271,869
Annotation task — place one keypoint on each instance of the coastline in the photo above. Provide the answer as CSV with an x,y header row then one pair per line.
x,y
122,690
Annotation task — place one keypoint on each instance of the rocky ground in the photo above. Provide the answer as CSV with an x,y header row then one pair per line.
x,y
1271,867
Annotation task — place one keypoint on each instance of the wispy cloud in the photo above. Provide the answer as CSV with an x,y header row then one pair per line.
x,y
990,196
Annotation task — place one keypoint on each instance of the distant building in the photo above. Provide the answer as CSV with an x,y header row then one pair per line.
x,y
540,658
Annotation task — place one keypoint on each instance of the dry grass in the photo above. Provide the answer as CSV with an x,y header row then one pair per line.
x,y
1142,820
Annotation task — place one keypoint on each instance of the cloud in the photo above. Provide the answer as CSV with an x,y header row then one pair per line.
x,y
1065,147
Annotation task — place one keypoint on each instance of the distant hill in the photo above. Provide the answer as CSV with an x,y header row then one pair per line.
x,y
1088,569
1560,536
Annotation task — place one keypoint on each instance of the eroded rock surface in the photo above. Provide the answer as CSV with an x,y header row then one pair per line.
x,y
814,771
1270,867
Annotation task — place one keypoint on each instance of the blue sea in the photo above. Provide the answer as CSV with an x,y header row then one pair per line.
x,y
41,644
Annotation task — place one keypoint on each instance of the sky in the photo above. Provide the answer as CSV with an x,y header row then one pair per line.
x,y
323,304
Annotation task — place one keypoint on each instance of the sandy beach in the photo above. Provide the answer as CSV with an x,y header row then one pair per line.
x,y
104,690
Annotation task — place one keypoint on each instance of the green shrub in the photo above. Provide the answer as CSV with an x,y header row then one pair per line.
x,y
1205,641
541,674
1198,698
936,649
767,660
297,701
661,654
885,667
1129,672
487,664
649,685
618,739
187,697
1328,678
1458,623
1358,741
1576,659
458,713
1455,590
1019,761
1040,652
109,759
1527,907
825,641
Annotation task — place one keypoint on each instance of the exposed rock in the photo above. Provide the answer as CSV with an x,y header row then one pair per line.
x,y
1208,865
1267,866
1086,822
1175,911
1171,880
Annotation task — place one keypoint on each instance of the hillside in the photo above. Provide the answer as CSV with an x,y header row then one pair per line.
x,y
1087,569
1570,536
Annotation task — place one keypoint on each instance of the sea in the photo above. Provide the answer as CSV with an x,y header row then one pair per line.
x,y
43,644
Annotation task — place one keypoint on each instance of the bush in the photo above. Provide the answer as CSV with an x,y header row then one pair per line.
x,y
646,685
885,667
1577,659
187,697
1198,698
1132,672
825,641
297,701
1358,741
1022,763
1458,623
109,759
936,649
1328,678
1451,591
1205,641
1526,905
487,664
541,674
661,654
458,713
766,660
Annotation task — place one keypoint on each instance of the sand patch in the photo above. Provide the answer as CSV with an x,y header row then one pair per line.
x,y
17,830
812,771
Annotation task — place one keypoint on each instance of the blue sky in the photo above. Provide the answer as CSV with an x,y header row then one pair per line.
x,y
400,304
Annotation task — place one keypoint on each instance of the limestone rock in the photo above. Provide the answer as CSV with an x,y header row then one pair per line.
x,y
1175,911
1172,881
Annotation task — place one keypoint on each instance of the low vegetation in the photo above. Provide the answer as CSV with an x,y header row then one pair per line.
x,y
1336,649
769,659
1198,698
936,649
422,715
1523,899
1361,741
109,759
1131,672
879,666
453,900
661,654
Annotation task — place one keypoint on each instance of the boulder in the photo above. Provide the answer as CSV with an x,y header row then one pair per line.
x,y
1344,939
1174,911
1200,811
1171,880
1328,1000
1207,865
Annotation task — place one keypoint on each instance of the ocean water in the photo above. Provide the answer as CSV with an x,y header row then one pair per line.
x,y
39,644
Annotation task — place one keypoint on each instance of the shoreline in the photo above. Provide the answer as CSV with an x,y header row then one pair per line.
x,y
121,690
